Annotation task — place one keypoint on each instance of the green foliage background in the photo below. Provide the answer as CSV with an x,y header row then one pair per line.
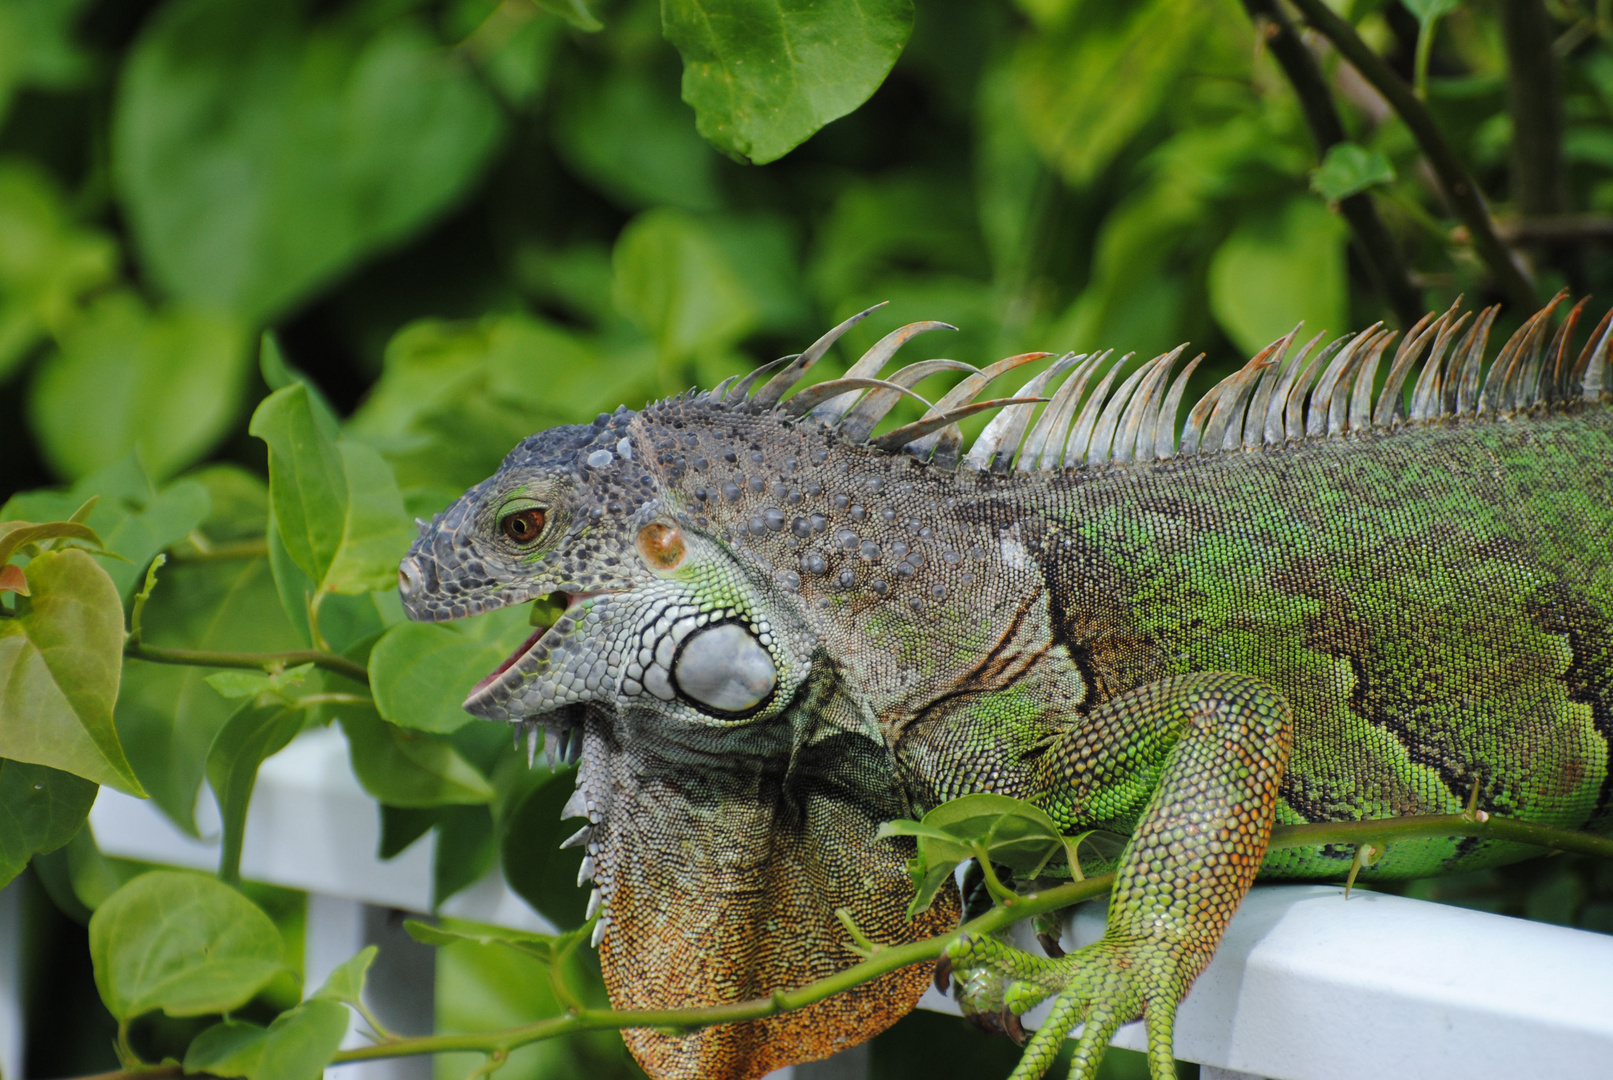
x,y
277,277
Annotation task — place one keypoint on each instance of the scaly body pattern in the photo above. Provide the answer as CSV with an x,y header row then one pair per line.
x,y
1364,583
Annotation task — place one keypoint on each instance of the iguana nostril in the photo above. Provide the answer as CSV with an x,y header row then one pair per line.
x,y
408,578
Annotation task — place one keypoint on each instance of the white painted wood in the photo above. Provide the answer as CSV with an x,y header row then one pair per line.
x,y
12,1018
1307,986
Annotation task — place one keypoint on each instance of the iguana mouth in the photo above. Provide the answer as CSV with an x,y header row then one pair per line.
x,y
543,640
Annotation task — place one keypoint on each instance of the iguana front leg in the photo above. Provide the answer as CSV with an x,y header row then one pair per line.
x,y
1223,741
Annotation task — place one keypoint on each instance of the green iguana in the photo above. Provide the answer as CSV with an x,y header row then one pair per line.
x,y
1323,603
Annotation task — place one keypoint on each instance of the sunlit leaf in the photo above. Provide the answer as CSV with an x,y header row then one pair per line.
x,y
259,157
1277,269
407,768
1349,168
422,672
40,810
181,942
60,659
764,75
297,1045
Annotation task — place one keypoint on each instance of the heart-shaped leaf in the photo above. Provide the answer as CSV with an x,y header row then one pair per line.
x,y
296,1046
60,661
181,942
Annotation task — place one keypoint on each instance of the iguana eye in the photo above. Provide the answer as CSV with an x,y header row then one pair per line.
x,y
522,527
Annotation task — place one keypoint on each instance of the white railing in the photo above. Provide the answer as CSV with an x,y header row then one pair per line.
x,y
1306,986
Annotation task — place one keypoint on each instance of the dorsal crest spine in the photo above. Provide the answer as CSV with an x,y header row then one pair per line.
x,y
1283,394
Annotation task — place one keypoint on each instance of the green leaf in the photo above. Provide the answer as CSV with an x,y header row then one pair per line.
x,y
246,739
1428,11
466,850
531,829
181,942
48,263
60,658
169,714
336,504
675,281
574,12
629,136
421,672
409,769
259,157
133,519
346,982
15,534
1010,832
1349,168
243,684
546,948
1277,269
40,810
1066,77
763,76
297,1045
164,384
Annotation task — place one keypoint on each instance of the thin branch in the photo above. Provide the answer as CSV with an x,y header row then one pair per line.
x,y
341,665
1537,108
1556,228
1378,832
1460,191
1377,246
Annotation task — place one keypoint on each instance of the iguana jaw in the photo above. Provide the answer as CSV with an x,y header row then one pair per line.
x,y
539,637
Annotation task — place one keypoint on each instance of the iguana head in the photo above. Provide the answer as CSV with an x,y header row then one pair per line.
x,y
733,778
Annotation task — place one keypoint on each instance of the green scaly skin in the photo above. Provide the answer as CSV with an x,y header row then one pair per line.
x,y
1184,650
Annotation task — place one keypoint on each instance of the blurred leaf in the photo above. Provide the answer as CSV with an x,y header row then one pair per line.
x,y
93,876
763,76
164,384
675,282
1429,10
14,535
401,827
38,47
1067,76
346,982
763,249
1278,269
406,768
13,580
422,672
631,138
297,1045
259,157
48,263
40,810
574,12
466,850
339,512
898,227
1349,168
60,658
181,942
455,398
246,739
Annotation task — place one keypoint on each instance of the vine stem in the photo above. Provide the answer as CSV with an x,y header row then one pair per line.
x,y
341,665
890,958
1460,191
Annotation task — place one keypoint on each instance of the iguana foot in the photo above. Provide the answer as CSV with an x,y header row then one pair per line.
x,y
1105,984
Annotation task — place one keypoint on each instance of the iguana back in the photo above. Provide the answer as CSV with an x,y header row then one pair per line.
x,y
1328,599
